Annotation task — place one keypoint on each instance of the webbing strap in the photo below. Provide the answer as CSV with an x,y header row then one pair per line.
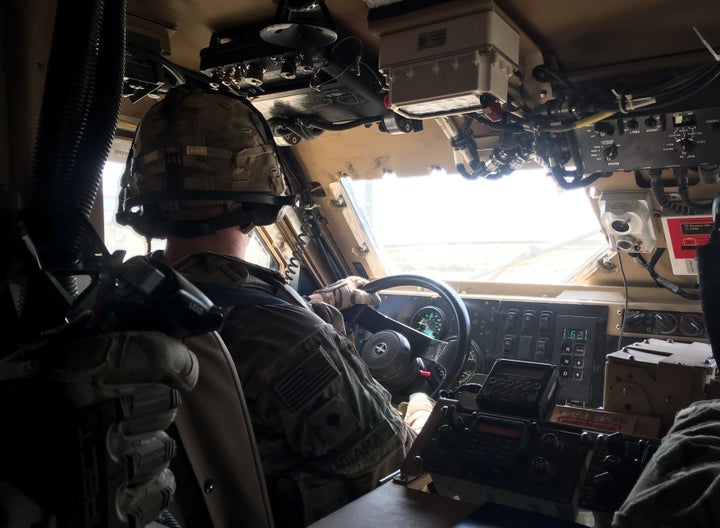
x,y
227,295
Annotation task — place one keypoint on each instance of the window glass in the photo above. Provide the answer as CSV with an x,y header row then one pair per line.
x,y
520,228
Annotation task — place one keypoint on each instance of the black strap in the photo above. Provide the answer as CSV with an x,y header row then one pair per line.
x,y
227,295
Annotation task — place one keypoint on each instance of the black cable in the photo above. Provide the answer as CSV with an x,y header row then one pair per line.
x,y
658,190
696,207
337,127
499,126
662,281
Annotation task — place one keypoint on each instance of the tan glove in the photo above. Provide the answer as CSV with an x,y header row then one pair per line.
x,y
416,410
346,293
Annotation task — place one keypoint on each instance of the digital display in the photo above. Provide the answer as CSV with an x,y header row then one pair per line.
x,y
576,334
499,430
528,372
684,120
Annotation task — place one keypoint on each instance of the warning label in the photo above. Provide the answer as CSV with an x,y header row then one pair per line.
x,y
684,234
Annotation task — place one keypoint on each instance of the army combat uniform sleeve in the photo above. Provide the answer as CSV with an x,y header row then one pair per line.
x,y
680,486
307,388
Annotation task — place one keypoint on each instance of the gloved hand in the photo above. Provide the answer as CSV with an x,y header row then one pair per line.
x,y
346,293
83,424
416,410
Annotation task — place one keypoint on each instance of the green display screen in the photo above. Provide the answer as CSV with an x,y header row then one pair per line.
x,y
576,334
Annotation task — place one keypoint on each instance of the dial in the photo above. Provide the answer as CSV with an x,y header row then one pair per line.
x,y
692,325
665,323
637,321
430,321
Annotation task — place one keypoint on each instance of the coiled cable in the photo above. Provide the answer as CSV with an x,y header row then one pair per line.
x,y
302,239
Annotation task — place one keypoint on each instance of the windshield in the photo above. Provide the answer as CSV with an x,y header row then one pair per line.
x,y
521,228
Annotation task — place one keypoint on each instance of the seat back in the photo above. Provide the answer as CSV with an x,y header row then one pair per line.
x,y
216,441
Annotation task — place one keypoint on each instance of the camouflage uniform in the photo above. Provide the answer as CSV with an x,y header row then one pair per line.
x,y
680,486
316,410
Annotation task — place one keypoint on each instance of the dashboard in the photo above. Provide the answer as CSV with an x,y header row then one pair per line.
x,y
572,336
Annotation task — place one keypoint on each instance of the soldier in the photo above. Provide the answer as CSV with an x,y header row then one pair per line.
x,y
203,172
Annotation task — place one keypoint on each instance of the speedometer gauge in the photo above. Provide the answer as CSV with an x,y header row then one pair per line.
x,y
430,321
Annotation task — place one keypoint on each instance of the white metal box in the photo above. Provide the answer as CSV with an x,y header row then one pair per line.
x,y
443,67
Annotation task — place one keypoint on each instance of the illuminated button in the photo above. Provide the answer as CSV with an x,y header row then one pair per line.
x,y
565,360
564,372
579,350
579,362
577,374
566,348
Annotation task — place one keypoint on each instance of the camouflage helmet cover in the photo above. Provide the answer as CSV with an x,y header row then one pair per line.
x,y
198,149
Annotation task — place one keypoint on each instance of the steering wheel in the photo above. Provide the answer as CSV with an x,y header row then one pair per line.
x,y
398,355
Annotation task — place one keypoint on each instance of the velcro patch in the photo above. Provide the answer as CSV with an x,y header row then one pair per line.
x,y
298,387
333,422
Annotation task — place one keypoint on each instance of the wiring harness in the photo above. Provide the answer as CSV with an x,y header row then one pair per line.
x,y
544,134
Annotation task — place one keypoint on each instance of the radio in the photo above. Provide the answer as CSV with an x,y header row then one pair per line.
x,y
545,467
520,388
483,457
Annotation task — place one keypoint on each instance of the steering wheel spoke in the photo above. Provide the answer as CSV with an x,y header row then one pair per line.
x,y
396,352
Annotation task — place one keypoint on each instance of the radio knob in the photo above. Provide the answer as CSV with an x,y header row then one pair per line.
x,y
610,153
541,469
446,436
550,445
604,128
614,442
687,145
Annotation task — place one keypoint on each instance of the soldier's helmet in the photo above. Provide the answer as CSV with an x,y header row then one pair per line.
x,y
197,149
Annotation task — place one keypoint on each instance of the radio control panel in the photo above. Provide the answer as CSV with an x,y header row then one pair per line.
x,y
551,468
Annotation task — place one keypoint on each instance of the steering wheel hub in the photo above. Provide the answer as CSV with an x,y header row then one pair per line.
x,y
389,358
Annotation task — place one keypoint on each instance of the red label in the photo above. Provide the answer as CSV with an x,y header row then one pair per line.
x,y
687,234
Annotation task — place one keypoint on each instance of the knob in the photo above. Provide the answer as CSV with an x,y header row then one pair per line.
x,y
414,466
611,463
541,469
604,128
692,325
687,145
665,323
615,444
446,436
610,153
635,321
550,445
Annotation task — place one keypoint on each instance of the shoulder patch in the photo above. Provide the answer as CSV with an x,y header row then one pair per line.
x,y
311,376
